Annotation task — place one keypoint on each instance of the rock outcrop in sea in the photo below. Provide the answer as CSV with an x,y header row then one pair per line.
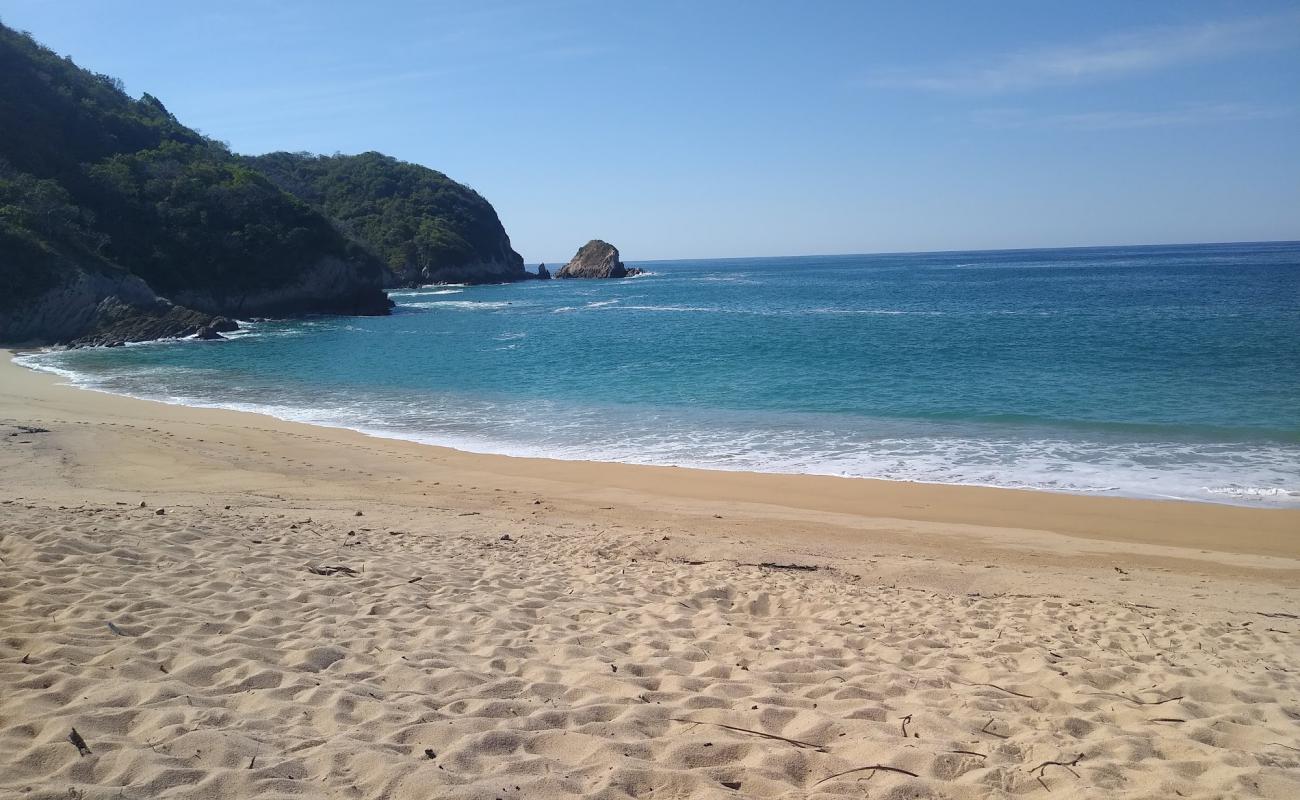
x,y
596,259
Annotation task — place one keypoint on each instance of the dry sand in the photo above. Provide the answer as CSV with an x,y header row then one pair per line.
x,y
625,640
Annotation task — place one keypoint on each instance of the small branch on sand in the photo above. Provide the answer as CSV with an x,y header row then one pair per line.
x,y
792,567
1000,689
773,736
874,768
968,753
985,729
905,720
1070,765
1278,615
335,569
1287,746
1138,700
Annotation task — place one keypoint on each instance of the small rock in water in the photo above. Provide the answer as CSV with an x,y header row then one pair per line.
x,y
505,537
161,511
359,514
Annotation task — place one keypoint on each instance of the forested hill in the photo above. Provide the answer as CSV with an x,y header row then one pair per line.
x,y
111,209
426,227
118,223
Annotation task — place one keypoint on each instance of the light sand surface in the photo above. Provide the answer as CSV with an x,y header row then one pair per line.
x,y
625,640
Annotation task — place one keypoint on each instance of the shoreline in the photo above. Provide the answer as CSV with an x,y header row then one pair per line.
x,y
13,354
1176,523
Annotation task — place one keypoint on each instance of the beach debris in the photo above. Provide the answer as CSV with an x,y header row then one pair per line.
x,y
358,514
985,729
872,767
332,569
27,659
118,631
969,753
505,537
732,785
142,504
1070,765
1001,688
772,736
792,567
468,514
1120,571
161,511
1137,700
905,720
429,754
79,742
416,579
1278,615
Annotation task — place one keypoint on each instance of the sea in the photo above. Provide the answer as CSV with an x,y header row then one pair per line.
x,y
1158,372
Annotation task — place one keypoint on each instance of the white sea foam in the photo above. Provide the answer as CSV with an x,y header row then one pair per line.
x,y
1251,474
463,305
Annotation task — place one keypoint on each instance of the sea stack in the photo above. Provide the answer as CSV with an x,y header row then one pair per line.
x,y
596,259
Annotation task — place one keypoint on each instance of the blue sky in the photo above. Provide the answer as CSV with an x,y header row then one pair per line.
x,y
714,129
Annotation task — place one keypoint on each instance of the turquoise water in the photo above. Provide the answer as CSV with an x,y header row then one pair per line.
x,y
1153,371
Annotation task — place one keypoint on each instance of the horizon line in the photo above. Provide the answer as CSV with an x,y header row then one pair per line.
x,y
940,252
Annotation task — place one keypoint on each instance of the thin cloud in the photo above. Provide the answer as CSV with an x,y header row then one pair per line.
x,y
1106,58
1110,120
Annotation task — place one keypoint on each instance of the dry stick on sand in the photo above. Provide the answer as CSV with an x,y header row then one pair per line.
x,y
1137,700
772,736
1000,689
1070,765
985,729
874,768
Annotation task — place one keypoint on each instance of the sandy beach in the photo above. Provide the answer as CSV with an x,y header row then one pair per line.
x,y
223,605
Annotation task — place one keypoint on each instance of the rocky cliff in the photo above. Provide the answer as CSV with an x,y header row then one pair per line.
x,y
596,259
426,227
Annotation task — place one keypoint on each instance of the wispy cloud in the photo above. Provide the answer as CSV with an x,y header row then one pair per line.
x,y
1109,57
1110,120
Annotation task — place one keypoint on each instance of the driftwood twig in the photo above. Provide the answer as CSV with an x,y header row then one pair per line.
x,y
873,767
772,736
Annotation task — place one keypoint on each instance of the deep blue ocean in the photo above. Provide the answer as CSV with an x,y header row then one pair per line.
x,y
1170,371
